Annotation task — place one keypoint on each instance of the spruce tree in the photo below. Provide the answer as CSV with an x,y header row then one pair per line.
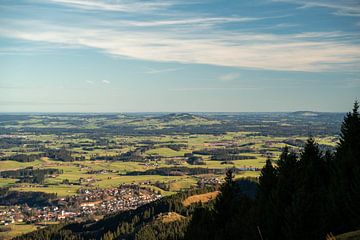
x,y
287,184
348,150
267,182
201,226
305,218
233,215
347,184
224,208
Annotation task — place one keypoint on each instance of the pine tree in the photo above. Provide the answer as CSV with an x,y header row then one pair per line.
x,y
267,182
347,184
305,218
233,212
108,236
201,226
348,150
224,200
287,182
224,205
145,233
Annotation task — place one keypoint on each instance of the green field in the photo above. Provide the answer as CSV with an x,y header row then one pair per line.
x,y
17,229
73,171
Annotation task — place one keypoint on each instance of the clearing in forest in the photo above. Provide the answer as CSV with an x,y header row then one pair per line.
x,y
205,197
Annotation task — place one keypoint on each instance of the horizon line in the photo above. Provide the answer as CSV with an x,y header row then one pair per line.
x,y
169,112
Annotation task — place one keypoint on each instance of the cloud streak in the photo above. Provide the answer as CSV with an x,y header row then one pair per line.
x,y
164,70
190,21
342,8
115,5
180,40
319,51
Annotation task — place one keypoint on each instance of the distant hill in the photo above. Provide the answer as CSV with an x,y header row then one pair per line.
x,y
180,117
306,113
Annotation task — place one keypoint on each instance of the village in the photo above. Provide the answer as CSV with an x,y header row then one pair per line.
x,y
88,203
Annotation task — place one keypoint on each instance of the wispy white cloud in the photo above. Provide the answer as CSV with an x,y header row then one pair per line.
x,y
116,5
190,21
343,7
163,70
179,39
105,81
319,51
90,82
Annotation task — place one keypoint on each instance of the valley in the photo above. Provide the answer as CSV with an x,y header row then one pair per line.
x,y
61,156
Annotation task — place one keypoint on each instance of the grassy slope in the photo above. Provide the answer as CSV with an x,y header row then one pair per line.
x,y
355,235
17,230
205,197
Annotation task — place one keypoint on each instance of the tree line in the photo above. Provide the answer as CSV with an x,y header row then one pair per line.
x,y
30,174
57,154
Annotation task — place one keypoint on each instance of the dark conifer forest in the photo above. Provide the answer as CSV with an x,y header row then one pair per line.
x,y
310,196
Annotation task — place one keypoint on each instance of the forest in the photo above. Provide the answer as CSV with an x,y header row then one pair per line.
x,y
32,199
314,195
30,174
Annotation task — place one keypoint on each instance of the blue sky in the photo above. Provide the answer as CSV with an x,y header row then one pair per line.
x,y
170,55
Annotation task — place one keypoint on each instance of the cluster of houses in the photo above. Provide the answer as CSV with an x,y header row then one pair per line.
x,y
149,164
209,181
104,201
248,168
24,213
101,171
11,215
88,202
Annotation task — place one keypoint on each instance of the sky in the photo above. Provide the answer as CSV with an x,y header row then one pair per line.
x,y
179,55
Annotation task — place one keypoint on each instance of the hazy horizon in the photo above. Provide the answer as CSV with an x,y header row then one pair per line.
x,y
109,113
